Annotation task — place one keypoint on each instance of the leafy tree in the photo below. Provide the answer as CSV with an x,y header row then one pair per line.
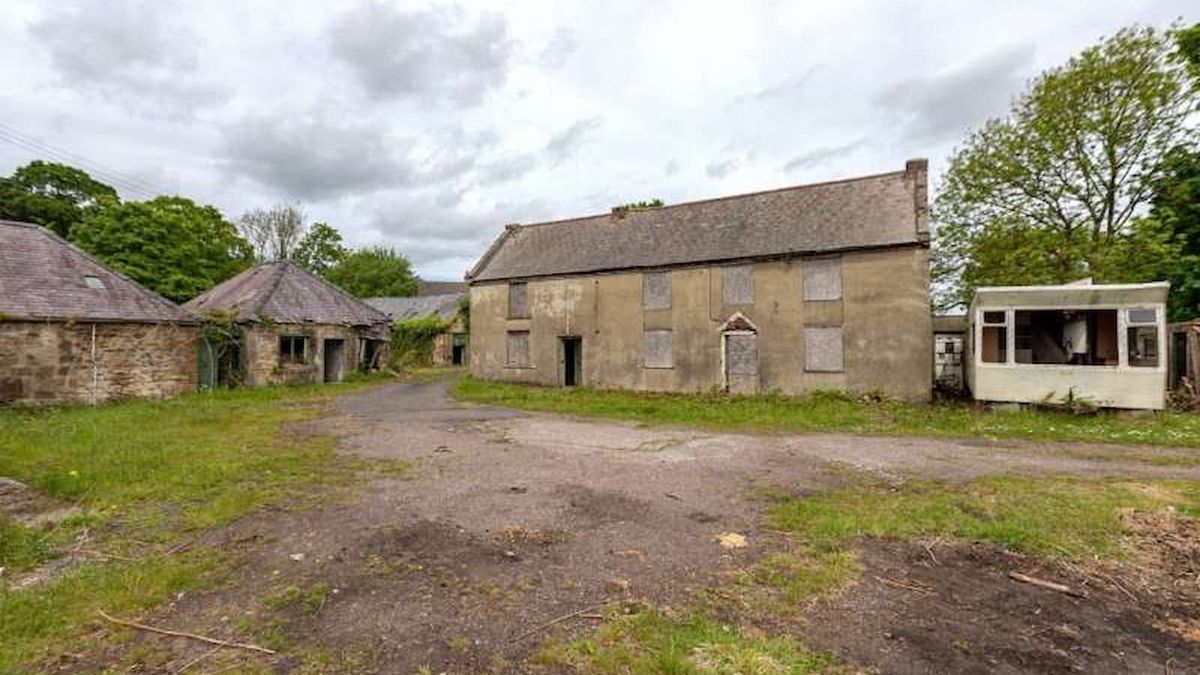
x,y
320,249
374,272
54,195
1051,193
170,244
274,233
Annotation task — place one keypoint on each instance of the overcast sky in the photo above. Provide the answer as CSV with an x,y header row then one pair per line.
x,y
428,126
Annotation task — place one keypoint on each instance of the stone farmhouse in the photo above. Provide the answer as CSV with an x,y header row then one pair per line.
x,y
822,286
449,347
75,331
290,326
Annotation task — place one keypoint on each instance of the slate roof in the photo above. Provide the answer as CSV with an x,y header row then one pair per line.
x,y
43,277
441,287
869,212
445,306
284,292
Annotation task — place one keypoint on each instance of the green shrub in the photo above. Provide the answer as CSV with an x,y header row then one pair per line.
x,y
412,339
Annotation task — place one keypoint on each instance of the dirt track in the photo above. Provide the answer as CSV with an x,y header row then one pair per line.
x,y
508,520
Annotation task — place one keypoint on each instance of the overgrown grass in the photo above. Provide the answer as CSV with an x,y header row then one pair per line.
x,y
653,641
148,475
1061,518
837,412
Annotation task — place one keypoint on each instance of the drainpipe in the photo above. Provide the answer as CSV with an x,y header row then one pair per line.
x,y
95,367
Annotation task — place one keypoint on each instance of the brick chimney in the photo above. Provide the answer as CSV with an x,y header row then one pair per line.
x,y
619,212
917,171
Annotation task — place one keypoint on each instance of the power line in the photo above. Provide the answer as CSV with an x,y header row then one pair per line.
x,y
122,181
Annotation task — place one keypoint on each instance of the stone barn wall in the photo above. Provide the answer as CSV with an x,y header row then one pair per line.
x,y
53,362
264,366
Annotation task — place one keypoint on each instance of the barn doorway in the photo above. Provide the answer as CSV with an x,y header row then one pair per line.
x,y
739,351
458,349
335,359
571,360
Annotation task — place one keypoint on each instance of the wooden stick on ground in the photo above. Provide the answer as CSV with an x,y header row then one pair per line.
x,y
1026,579
176,633
564,617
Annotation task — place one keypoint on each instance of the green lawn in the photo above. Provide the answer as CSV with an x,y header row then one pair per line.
x,y
837,412
149,476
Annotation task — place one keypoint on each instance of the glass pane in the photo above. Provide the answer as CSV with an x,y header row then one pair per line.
x,y
994,317
995,344
1143,315
1143,346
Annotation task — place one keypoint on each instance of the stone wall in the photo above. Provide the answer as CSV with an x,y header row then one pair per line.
x,y
261,356
878,301
54,362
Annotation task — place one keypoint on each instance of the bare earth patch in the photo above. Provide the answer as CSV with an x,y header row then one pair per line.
x,y
514,528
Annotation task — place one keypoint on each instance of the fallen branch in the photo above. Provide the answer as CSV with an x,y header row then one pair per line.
x,y
915,587
564,617
182,634
1034,581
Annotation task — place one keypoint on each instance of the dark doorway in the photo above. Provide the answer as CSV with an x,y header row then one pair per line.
x,y
458,349
1179,358
572,361
335,357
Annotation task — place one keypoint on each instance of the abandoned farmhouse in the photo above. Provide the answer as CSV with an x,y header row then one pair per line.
x,y
75,331
287,326
814,287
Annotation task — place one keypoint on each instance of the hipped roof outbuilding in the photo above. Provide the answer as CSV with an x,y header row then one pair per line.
x,y
284,292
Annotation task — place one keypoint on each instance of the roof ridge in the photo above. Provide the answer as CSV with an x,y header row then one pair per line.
x,y
289,263
740,195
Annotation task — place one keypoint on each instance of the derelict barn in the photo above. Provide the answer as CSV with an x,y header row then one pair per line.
x,y
286,325
75,331
450,346
821,286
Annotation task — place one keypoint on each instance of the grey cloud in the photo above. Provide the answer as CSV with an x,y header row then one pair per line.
x,y
559,49
939,107
435,54
131,53
720,169
507,168
671,167
561,145
823,155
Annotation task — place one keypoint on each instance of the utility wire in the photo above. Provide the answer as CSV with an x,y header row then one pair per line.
x,y
118,179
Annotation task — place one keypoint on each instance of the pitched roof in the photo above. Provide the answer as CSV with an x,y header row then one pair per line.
x,y
42,276
873,211
440,287
284,292
445,306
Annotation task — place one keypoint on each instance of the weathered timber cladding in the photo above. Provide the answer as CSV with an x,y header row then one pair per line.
x,y
54,362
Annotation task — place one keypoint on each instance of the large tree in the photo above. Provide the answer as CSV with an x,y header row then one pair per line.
x,y
274,233
320,249
374,272
54,195
1051,192
170,244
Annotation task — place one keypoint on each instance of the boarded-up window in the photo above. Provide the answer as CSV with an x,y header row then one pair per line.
x,y
656,290
823,279
737,285
518,349
518,307
656,349
823,349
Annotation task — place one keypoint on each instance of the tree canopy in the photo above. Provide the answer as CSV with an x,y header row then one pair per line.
x,y
1053,192
170,244
274,233
373,272
54,195
320,249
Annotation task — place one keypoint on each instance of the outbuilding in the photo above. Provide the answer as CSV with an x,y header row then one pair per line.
x,y
289,326
450,347
73,330
1101,343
